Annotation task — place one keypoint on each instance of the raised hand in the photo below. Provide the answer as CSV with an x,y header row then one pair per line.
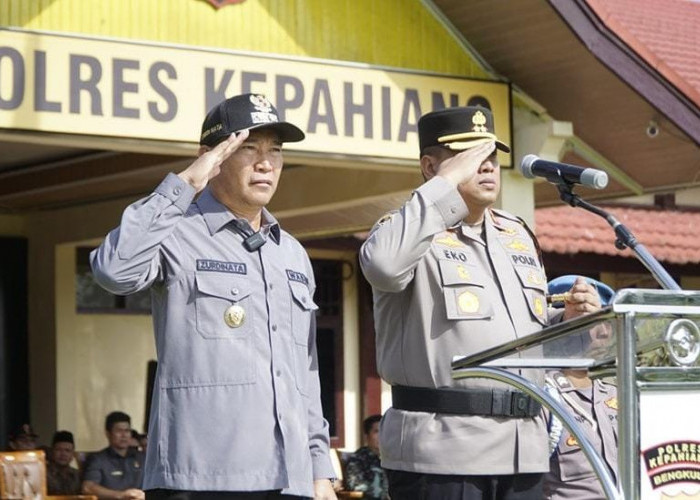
x,y
208,164
462,167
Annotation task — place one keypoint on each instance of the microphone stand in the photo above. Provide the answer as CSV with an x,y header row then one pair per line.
x,y
625,238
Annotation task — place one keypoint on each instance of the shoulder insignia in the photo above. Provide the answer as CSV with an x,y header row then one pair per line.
x,y
561,381
509,231
384,218
449,241
518,246
611,403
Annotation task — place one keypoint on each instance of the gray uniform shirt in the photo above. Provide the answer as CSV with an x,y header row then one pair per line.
x,y
441,290
236,403
111,470
571,476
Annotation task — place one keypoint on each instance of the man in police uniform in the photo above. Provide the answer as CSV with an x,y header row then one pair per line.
x,y
593,403
236,409
117,470
452,276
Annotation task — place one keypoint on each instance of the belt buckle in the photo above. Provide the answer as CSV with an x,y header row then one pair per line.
x,y
519,404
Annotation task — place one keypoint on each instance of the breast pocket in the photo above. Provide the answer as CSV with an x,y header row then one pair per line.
x,y
533,284
303,307
223,306
463,292
573,464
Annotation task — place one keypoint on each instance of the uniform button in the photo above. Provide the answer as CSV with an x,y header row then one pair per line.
x,y
176,191
453,210
272,286
274,328
278,373
303,299
234,291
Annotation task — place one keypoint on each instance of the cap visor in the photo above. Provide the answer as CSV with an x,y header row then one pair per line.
x,y
463,145
286,131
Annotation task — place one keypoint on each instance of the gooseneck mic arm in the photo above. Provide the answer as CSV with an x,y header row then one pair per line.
x,y
625,238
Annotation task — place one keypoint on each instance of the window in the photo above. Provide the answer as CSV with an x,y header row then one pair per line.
x,y
92,298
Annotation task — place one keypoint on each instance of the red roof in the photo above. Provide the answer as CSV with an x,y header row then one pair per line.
x,y
671,236
666,33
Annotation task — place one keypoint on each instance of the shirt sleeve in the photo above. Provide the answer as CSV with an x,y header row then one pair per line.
x,y
128,259
389,256
92,471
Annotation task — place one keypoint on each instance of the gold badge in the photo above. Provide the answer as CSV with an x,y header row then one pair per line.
x,y
534,278
234,316
571,441
468,302
611,403
518,245
462,272
539,306
449,241
510,231
479,122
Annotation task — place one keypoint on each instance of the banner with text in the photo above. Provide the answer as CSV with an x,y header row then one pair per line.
x,y
120,88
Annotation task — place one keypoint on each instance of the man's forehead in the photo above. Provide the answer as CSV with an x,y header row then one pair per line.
x,y
264,134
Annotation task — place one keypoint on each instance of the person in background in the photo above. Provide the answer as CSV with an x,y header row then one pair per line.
x,y
592,403
115,472
23,438
61,478
363,471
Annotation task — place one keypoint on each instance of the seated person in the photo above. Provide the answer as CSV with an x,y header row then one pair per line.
x,y
61,478
23,438
116,471
363,471
593,403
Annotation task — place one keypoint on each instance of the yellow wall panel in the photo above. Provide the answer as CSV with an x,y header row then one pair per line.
x,y
398,33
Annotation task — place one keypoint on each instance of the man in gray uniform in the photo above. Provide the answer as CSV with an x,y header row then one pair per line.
x,y
451,276
236,409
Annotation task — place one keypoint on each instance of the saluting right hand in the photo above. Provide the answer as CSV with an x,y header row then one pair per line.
x,y
208,165
461,168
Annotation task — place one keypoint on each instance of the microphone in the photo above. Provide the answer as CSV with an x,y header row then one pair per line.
x,y
562,173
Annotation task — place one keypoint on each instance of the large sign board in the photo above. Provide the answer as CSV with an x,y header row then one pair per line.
x,y
52,82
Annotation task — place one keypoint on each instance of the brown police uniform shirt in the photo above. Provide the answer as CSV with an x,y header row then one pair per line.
x,y
443,290
571,476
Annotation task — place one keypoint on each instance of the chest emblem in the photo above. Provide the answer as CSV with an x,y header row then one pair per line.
x,y
449,241
535,278
518,246
571,441
611,403
468,302
234,316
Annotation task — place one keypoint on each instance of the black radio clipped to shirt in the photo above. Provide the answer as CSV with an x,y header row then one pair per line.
x,y
252,240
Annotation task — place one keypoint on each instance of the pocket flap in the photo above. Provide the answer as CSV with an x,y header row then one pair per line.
x,y
222,285
302,296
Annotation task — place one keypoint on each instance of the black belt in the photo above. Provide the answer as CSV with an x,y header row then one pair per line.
x,y
463,401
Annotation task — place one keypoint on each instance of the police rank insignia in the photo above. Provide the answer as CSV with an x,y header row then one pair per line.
x,y
468,302
571,441
535,278
611,403
234,316
449,241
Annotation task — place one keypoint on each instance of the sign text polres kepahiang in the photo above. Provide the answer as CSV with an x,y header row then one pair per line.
x,y
79,85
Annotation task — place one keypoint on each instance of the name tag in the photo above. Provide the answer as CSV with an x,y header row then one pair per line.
x,y
117,473
297,276
221,267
